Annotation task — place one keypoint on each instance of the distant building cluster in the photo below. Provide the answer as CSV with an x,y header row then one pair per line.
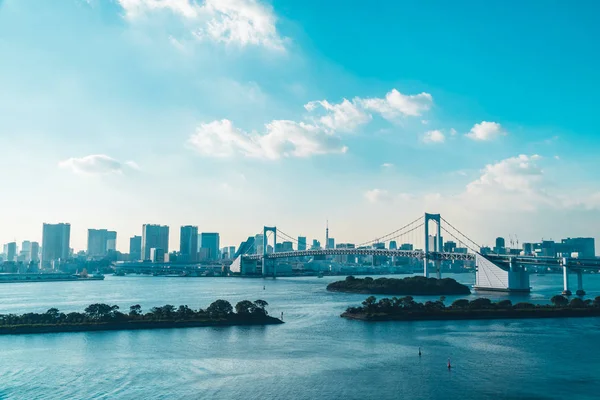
x,y
195,247
569,247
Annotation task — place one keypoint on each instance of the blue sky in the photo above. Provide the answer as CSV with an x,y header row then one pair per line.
x,y
234,114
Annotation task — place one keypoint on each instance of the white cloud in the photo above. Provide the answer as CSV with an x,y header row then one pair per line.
x,y
349,115
241,22
453,132
516,174
485,131
435,136
396,103
377,195
97,164
282,139
387,165
345,116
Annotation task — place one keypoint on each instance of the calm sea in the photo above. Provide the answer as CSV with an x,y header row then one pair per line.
x,y
315,355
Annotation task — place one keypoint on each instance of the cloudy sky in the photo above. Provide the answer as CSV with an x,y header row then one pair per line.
x,y
234,114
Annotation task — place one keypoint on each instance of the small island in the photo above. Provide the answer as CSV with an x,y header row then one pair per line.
x,y
413,285
104,317
406,309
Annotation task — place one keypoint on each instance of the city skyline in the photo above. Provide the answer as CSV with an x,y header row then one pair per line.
x,y
175,243
260,113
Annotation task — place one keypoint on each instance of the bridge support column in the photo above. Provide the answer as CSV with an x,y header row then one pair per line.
x,y
580,291
566,290
438,269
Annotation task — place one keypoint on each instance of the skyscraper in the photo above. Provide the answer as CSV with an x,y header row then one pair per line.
x,y
330,243
96,242
393,245
301,243
188,243
55,243
154,236
209,245
26,250
11,251
111,241
35,252
135,248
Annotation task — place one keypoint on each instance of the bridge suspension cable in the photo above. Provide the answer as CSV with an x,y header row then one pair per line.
x,y
452,235
462,234
385,238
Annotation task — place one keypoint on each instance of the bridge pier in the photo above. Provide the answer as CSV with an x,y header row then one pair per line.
x,y
580,291
438,269
566,291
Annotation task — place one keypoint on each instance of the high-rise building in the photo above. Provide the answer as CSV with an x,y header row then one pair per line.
x,y
315,245
301,243
11,251
258,244
407,246
154,236
26,250
135,248
331,243
209,242
433,243
500,246
500,243
188,243
55,243
287,246
35,252
231,251
449,247
345,259
96,242
157,255
393,245
584,247
111,241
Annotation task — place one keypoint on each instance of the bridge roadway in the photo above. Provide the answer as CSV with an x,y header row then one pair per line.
x,y
571,263
419,254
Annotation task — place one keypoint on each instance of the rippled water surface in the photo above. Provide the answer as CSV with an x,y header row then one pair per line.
x,y
315,354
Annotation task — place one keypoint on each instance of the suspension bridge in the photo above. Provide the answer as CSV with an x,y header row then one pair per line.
x,y
494,272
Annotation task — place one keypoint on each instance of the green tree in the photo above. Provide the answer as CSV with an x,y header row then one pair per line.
x,y
480,304
524,306
53,313
576,303
504,304
369,303
135,310
559,301
596,302
460,304
260,307
219,308
100,312
245,307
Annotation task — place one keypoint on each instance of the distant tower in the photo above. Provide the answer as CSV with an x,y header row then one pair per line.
x,y
327,234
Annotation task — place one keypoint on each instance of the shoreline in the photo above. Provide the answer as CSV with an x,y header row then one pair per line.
x,y
129,326
408,286
475,315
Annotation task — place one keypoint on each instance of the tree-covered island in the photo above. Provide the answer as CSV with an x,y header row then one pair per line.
x,y
102,317
406,309
413,285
